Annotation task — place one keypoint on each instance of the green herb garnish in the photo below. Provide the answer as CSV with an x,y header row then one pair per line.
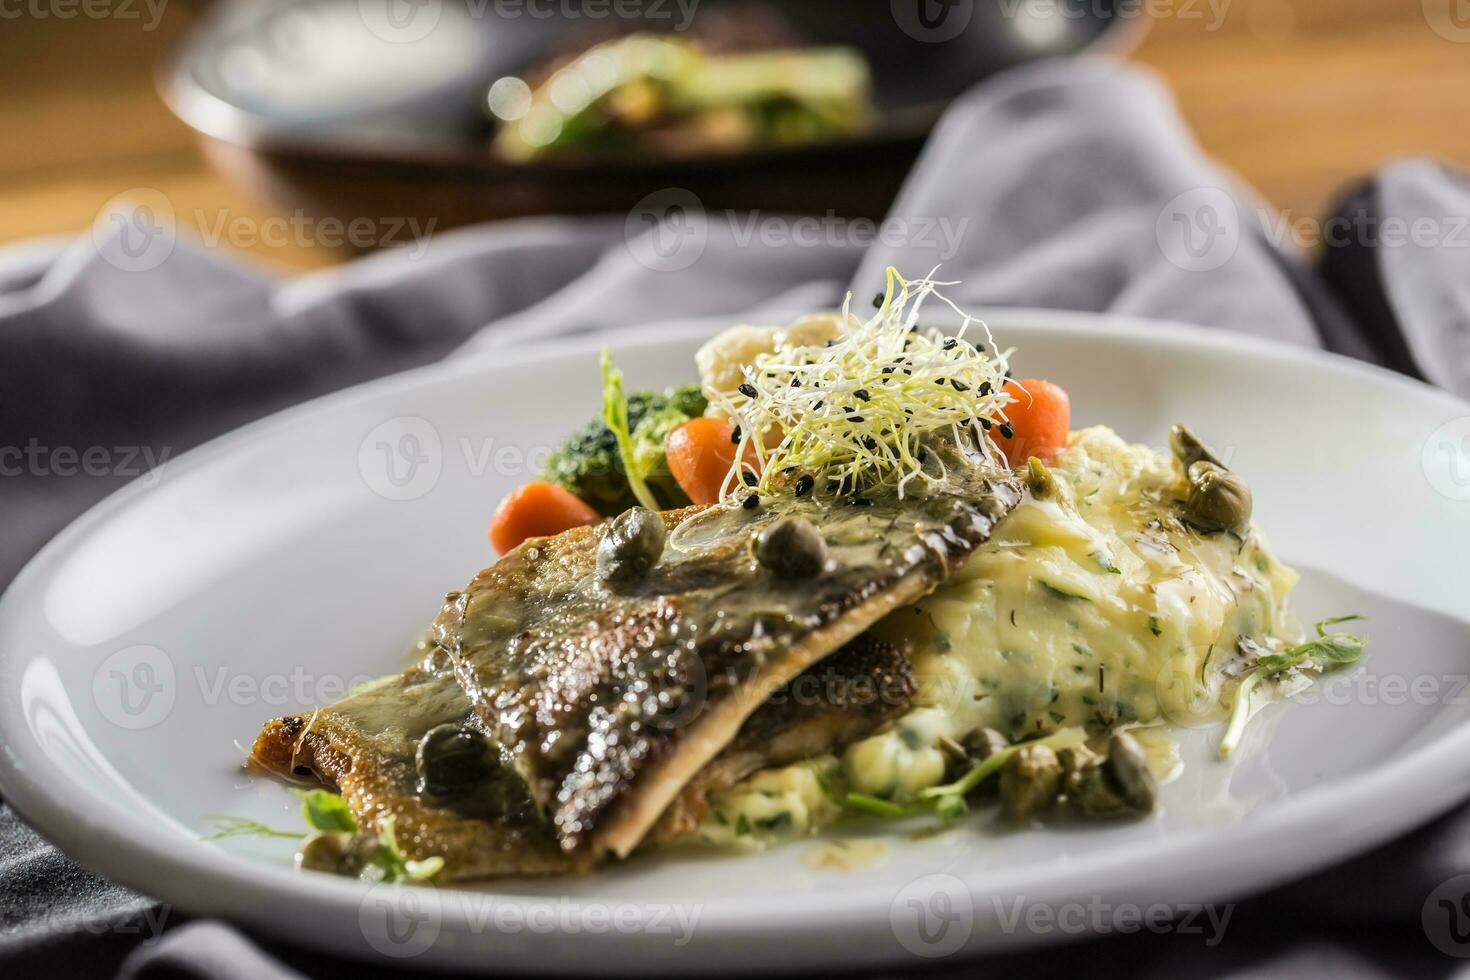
x,y
389,863
948,801
615,415
326,812
243,827
1323,652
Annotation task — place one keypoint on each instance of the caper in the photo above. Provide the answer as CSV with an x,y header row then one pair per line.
x,y
337,853
1128,766
1073,759
1090,790
1217,500
976,747
1039,479
1188,449
631,545
450,760
984,743
1030,781
792,548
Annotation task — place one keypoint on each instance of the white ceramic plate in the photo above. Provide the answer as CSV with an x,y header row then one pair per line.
x,y
266,571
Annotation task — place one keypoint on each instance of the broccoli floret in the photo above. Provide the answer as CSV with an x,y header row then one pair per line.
x,y
588,463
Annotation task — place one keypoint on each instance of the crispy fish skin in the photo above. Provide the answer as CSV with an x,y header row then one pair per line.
x,y
608,701
364,746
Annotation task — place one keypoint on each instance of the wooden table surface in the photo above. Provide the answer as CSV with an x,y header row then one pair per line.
x,y
1299,97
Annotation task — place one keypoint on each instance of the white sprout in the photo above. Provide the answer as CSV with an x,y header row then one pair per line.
x,y
853,412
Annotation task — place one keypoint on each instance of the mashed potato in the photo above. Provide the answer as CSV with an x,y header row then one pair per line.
x,y
1093,607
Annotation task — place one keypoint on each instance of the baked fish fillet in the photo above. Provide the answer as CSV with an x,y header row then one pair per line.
x,y
608,701
364,746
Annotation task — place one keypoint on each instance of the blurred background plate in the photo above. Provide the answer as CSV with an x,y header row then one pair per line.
x,y
352,107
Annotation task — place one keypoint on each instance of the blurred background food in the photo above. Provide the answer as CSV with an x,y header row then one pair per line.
x,y
335,107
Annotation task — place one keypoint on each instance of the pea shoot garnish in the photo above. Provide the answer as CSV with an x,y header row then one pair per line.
x,y
1323,652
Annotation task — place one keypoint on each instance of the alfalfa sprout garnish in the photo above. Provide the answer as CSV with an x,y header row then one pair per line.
x,y
854,413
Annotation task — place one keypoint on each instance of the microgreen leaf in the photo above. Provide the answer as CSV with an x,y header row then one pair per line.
x,y
1325,651
326,812
389,863
615,415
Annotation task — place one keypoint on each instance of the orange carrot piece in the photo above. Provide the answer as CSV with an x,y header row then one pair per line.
x,y
537,510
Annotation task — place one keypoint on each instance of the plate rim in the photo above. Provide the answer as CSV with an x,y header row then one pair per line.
x,y
214,882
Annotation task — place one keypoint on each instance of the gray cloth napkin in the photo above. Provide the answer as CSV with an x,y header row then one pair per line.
x,y
1070,185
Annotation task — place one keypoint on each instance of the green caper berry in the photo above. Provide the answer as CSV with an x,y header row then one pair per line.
x,y
792,548
1091,793
981,745
1030,781
1217,499
337,853
1074,758
631,545
1127,765
450,760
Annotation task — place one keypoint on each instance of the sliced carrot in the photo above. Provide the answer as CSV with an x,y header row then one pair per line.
x,y
1040,417
536,510
700,454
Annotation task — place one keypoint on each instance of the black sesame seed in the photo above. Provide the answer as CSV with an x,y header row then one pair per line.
x,y
1007,430
748,390
959,385
870,444
939,381
862,393
735,435
923,454
878,301
795,382
985,424
854,418
818,406
950,344
887,369
984,388
749,478
751,502
804,484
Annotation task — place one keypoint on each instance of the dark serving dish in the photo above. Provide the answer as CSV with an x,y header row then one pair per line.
x,y
375,107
